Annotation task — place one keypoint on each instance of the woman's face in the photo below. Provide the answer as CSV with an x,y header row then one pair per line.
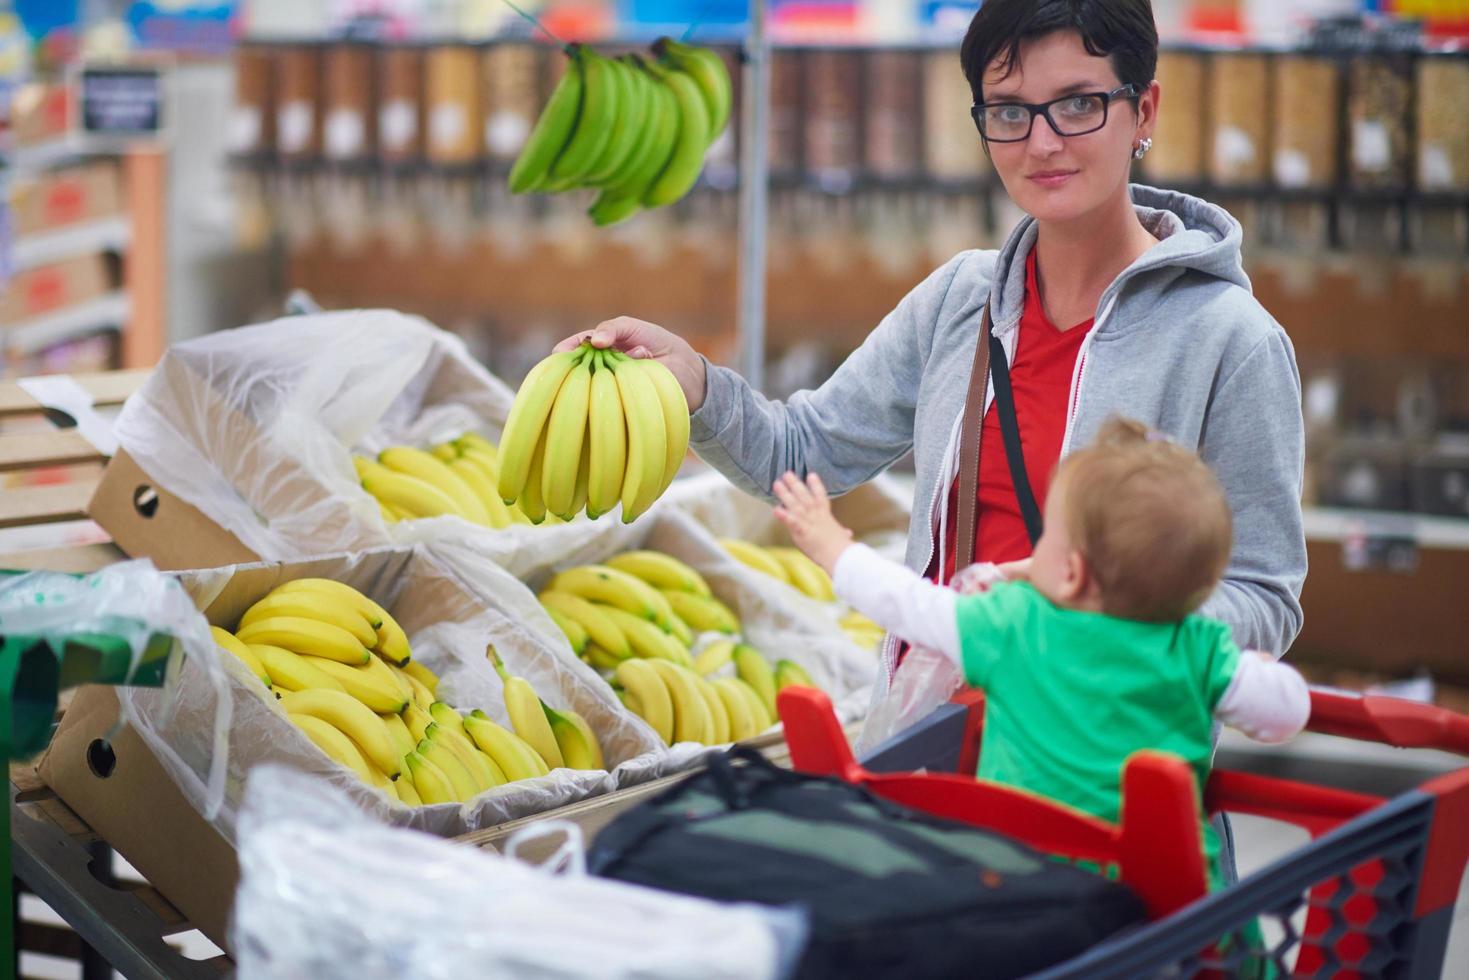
x,y
1062,178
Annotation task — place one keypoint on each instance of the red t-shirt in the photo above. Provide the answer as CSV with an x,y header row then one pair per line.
x,y
1040,379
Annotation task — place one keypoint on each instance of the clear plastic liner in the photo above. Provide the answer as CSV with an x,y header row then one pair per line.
x,y
255,426
449,625
133,600
326,892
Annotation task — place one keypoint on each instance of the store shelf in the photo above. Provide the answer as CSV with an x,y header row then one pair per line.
x,y
1333,524
109,312
103,235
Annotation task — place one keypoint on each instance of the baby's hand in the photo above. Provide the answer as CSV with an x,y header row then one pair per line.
x,y
806,512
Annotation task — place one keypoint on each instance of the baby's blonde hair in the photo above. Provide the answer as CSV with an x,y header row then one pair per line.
x,y
1151,520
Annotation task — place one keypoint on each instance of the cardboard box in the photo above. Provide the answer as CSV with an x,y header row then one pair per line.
x,y
44,289
67,196
139,809
140,812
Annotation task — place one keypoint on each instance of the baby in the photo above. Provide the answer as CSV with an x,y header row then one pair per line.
x,y
1090,652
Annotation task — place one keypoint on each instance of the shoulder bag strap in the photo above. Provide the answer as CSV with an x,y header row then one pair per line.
x,y
1010,429
969,446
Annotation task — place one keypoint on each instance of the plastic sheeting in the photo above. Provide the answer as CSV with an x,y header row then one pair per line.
x,y
448,624
255,426
326,892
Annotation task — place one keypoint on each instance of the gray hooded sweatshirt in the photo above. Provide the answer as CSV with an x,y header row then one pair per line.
x,y
1180,343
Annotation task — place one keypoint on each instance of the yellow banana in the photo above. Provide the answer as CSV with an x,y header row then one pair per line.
x,y
445,452
291,671
324,608
532,503
419,498
663,572
417,719
754,670
406,792
680,630
566,430
307,636
429,781
241,649
703,613
337,746
649,695
607,438
353,719
755,557
718,715
646,639
583,480
523,707
576,635
398,731
421,695
607,585
593,618
742,723
758,711
464,785
436,473
691,719
483,486
381,694
804,573
392,642
446,717
473,441
481,768
647,438
713,657
511,753
424,676
527,422
599,658
579,748
675,417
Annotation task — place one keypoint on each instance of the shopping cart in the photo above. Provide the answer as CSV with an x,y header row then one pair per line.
x,y
1377,882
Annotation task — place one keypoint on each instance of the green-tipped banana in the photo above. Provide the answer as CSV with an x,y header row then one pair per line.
x,y
607,438
552,131
511,753
675,416
714,657
576,634
789,673
647,439
527,422
647,640
600,629
579,748
527,714
752,668
429,781
227,640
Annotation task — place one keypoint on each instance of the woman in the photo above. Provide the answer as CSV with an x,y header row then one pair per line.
x,y
1108,299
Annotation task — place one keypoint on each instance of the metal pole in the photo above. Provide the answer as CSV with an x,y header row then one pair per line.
x,y
754,187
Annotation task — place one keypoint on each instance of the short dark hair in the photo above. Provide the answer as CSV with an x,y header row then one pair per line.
x,y
1121,30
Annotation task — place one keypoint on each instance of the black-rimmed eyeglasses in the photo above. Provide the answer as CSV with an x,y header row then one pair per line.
x,y
1071,115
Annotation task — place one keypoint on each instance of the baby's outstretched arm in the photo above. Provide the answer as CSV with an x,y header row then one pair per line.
x,y
1267,700
805,510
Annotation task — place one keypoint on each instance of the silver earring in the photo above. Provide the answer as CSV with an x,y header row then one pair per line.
x,y
1143,146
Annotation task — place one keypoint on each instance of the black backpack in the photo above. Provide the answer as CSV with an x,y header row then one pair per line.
x,y
889,890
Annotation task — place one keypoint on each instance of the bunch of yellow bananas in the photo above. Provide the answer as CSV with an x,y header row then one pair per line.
x,y
456,477
788,565
591,428
634,619
342,669
633,128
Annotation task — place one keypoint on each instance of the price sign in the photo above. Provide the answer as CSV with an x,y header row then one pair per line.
x,y
117,101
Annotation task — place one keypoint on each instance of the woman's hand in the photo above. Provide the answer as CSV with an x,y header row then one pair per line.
x,y
639,338
806,512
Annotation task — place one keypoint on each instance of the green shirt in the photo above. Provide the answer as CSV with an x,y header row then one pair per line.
x,y
1070,694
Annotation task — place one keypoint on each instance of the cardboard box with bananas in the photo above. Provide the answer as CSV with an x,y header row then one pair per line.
x,y
877,512
670,620
371,672
240,445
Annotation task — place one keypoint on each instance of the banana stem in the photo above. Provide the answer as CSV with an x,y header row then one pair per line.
x,y
494,656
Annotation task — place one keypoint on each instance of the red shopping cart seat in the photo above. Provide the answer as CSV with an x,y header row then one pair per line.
x,y
1155,847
